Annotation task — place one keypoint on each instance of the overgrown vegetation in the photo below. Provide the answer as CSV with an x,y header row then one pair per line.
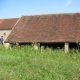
x,y
25,63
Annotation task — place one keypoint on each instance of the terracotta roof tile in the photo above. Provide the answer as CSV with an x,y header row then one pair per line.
x,y
8,23
47,28
1,20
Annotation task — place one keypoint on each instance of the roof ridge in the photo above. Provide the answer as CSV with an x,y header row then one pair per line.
x,y
51,14
11,18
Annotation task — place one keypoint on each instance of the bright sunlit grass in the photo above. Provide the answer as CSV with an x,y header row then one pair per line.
x,y
25,63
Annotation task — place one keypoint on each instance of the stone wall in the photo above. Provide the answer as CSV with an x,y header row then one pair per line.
x,y
4,33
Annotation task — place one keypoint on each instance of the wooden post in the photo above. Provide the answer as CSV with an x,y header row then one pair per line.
x,y
66,47
42,47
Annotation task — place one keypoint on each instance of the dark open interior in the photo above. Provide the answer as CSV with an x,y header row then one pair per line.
x,y
55,45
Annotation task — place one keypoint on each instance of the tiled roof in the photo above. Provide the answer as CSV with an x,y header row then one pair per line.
x,y
8,23
47,28
1,20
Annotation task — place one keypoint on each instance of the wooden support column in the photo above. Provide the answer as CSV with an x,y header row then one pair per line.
x,y
66,47
42,48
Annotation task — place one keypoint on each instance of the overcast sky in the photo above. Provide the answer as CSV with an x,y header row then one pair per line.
x,y
16,8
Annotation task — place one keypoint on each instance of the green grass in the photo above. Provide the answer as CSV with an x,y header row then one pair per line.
x,y
25,63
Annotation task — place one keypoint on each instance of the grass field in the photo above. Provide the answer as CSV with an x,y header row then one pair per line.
x,y
25,63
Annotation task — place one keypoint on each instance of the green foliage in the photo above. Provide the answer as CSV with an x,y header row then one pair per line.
x,y
26,63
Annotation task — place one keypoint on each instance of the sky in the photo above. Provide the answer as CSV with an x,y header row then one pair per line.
x,y
17,8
